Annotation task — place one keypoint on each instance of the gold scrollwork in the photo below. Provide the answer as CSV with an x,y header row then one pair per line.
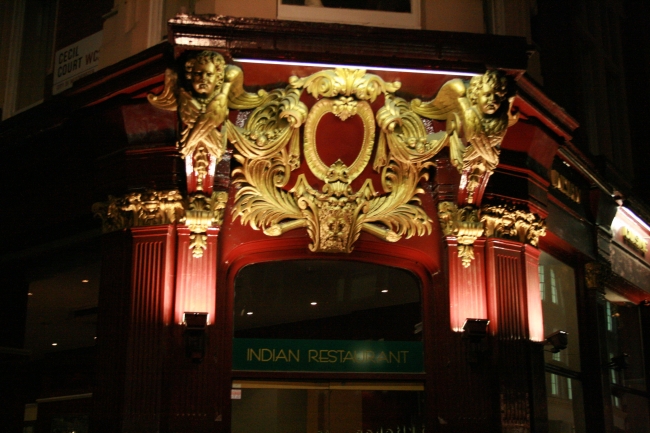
x,y
341,81
315,163
462,223
138,209
511,222
336,215
268,149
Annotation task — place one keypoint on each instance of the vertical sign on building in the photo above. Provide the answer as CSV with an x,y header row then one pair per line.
x,y
76,61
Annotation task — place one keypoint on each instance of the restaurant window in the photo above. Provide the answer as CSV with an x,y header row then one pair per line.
x,y
330,317
627,367
298,407
563,386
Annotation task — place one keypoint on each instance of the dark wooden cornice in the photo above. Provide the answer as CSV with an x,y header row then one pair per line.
x,y
340,43
130,77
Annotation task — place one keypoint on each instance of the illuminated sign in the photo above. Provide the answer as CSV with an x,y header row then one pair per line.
x,y
634,240
565,186
327,355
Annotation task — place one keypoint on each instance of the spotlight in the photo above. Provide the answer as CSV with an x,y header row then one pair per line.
x,y
559,340
475,329
195,324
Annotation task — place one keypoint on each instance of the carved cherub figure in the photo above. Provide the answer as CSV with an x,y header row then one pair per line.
x,y
202,100
477,116
204,108
484,119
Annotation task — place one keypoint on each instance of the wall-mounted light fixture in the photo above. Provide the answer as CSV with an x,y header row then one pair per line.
x,y
619,362
475,330
559,340
195,338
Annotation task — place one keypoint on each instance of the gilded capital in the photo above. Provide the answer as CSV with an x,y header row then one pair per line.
x,y
464,224
203,212
510,221
139,209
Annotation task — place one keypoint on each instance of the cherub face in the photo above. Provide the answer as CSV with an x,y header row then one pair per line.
x,y
204,78
488,100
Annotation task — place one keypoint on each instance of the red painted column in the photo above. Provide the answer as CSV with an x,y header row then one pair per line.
x,y
152,284
193,385
136,300
513,299
467,296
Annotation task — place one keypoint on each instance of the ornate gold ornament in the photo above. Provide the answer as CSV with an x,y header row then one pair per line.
x,y
597,275
477,119
334,216
207,90
203,213
511,222
462,223
140,209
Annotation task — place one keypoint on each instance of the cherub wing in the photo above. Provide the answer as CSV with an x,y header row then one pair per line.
x,y
202,126
188,108
238,98
445,102
167,98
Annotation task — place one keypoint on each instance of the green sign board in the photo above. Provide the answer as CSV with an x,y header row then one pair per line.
x,y
327,355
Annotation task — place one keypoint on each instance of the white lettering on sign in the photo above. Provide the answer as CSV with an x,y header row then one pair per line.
x,y
76,61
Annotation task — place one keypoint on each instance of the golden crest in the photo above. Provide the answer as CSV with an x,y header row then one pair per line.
x,y
334,216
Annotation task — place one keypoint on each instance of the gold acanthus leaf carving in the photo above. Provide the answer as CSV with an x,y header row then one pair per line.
x,y
202,98
346,82
512,222
477,117
203,212
139,209
462,223
336,215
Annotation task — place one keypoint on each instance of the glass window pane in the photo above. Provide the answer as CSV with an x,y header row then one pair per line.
x,y
320,407
560,313
630,413
327,300
624,342
565,405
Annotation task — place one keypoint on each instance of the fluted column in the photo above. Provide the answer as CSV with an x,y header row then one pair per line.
x,y
135,306
192,387
514,310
